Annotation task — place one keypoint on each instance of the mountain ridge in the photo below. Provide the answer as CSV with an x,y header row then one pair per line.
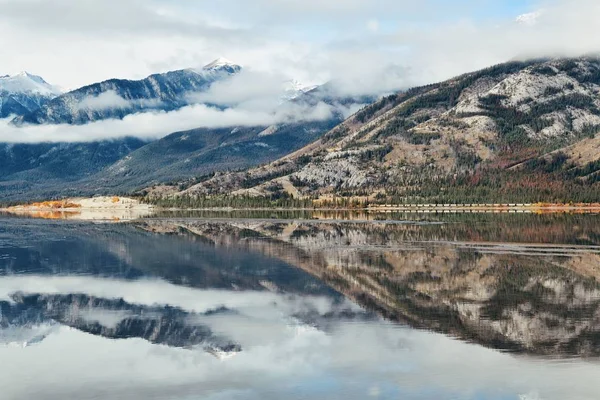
x,y
33,171
116,98
515,131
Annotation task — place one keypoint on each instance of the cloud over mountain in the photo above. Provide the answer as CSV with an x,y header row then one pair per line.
x,y
157,124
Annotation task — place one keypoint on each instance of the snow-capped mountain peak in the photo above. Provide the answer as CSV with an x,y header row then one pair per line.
x,y
24,82
219,62
293,84
222,64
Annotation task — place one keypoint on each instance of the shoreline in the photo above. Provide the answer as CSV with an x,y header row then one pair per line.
x,y
538,207
122,208
103,208
592,207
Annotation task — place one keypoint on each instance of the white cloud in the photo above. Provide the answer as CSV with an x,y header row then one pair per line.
x,y
249,98
561,28
72,43
147,292
103,101
248,88
156,124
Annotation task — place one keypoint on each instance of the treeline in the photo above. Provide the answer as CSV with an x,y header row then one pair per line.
x,y
440,193
552,180
229,201
494,186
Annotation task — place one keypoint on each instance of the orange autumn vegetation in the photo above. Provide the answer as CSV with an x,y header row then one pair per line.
x,y
55,205
52,214
566,205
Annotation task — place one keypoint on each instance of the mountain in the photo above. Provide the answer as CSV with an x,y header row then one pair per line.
x,y
117,98
49,170
203,151
183,156
518,132
24,93
221,65
43,170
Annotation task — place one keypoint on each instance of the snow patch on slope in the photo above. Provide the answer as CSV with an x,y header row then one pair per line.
x,y
219,63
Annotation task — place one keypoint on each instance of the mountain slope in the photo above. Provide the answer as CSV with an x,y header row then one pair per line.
x,y
48,170
116,98
41,171
24,93
522,131
185,155
45,170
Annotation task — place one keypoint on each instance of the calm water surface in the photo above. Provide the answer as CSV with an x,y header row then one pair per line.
x,y
301,306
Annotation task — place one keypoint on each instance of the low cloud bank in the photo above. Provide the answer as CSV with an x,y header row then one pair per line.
x,y
156,124
250,90
249,98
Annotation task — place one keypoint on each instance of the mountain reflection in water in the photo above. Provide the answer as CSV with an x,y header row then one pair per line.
x,y
262,308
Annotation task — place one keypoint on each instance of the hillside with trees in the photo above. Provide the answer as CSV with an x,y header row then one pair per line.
x,y
515,132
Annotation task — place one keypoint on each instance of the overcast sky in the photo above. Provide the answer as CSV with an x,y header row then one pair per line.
x,y
75,42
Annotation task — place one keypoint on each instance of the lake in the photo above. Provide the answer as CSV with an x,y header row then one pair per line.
x,y
301,305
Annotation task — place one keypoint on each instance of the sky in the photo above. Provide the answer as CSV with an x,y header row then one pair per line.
x,y
362,47
76,42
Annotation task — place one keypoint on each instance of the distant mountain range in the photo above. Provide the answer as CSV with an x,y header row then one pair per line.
x,y
34,101
45,170
116,98
517,132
